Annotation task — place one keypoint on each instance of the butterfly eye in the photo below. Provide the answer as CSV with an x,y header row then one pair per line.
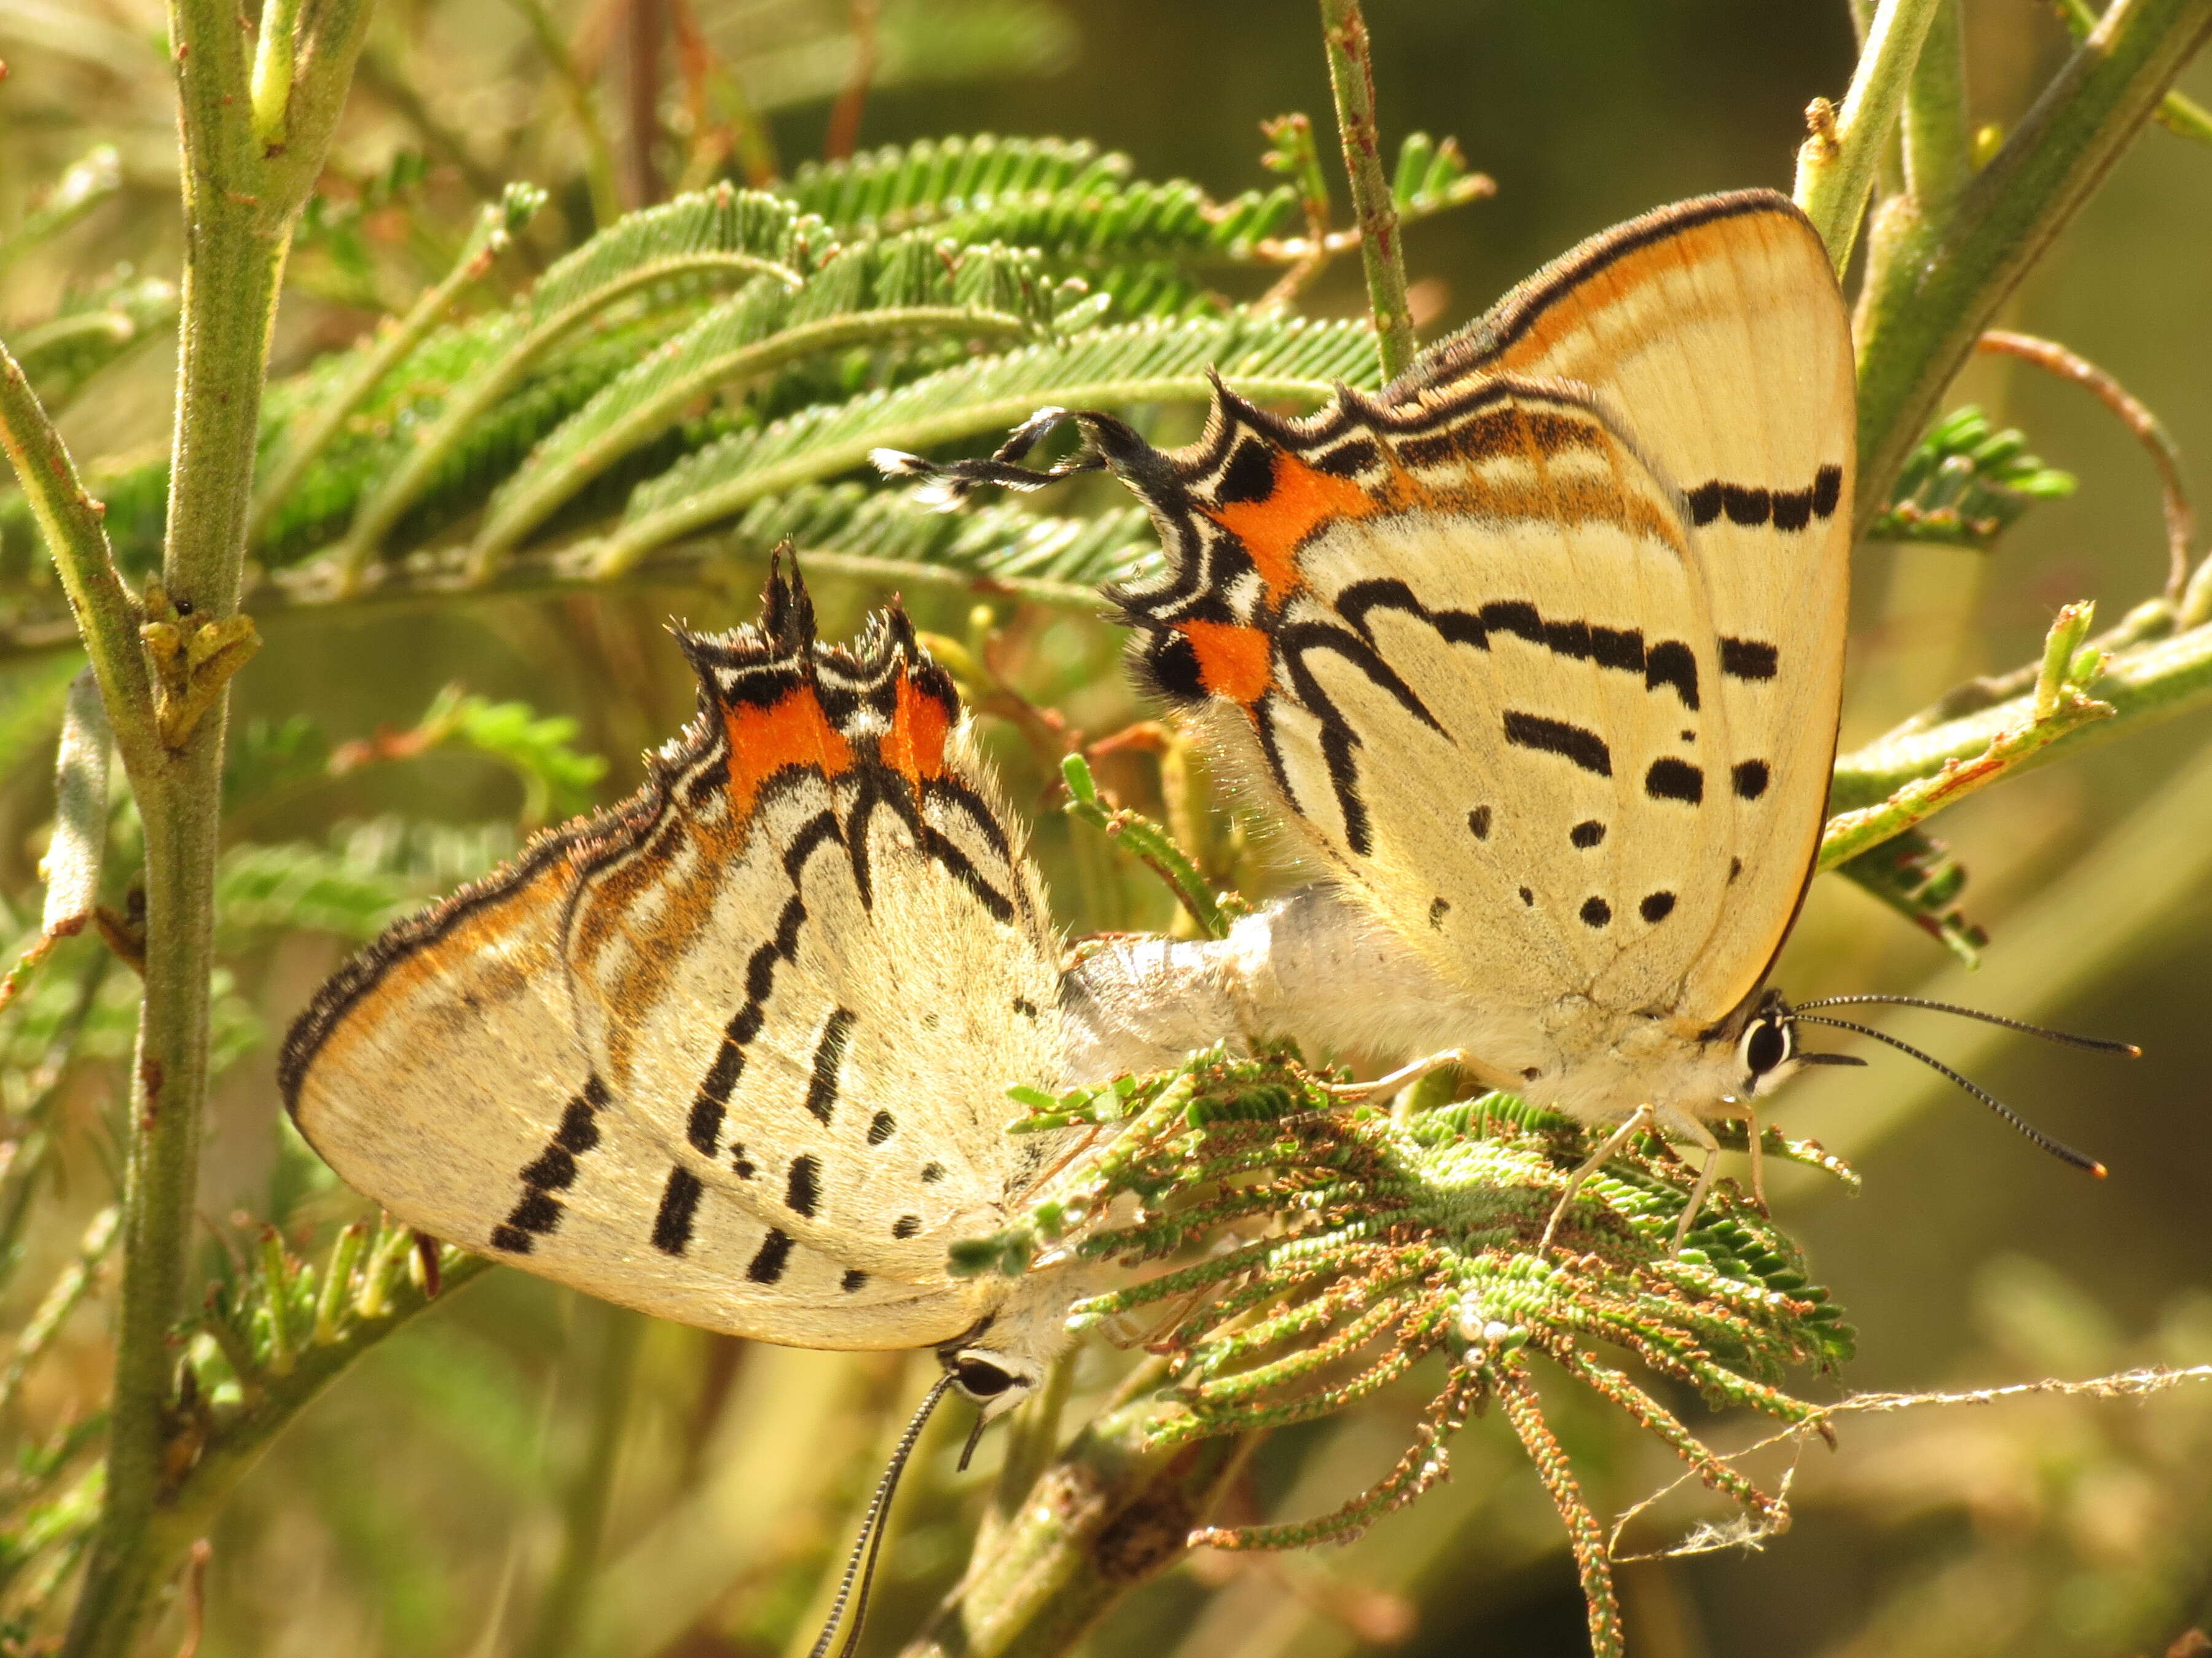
x,y
1765,1046
978,1378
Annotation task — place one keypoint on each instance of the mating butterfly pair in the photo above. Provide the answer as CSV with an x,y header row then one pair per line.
x,y
1537,654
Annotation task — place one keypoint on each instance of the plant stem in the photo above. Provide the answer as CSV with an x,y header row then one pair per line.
x,y
584,1509
1939,281
69,522
1836,164
1351,78
1109,1513
2176,113
2145,684
242,197
1938,148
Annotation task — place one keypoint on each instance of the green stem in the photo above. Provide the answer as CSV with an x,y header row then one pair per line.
x,y
512,518
584,1507
1352,79
1942,280
2144,685
374,519
1148,842
494,228
584,105
1836,165
1938,147
2057,707
69,520
240,200
2176,113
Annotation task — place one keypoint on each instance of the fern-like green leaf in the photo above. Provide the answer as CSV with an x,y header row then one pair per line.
x,y
881,535
722,234
868,293
1965,483
1268,357
1076,205
95,330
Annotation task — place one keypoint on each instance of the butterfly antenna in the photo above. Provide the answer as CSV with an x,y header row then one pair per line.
x,y
2058,1149
862,1566
2095,1044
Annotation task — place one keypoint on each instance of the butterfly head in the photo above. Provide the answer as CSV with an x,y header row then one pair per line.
x,y
1001,1360
1766,1052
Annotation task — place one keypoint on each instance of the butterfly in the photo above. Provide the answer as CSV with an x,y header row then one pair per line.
x,y
736,1052
1537,654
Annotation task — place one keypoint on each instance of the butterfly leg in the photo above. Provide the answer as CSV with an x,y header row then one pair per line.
x,y
1758,1163
1397,1079
1712,1149
1643,1117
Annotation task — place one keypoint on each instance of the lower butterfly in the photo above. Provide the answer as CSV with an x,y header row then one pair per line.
x,y
737,1051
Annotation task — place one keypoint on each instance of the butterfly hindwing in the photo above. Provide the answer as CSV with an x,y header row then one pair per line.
x,y
1543,647
822,976
735,1053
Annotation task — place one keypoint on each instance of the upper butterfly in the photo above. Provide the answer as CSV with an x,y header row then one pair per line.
x,y
1539,651
736,1052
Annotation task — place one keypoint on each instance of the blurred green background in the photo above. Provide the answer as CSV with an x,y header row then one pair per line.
x,y
527,1472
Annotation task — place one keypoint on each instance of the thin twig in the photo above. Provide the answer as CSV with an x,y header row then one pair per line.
x,y
2165,453
2176,113
1837,162
852,103
1352,79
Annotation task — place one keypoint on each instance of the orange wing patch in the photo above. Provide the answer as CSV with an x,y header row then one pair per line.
x,y
915,746
1301,500
1233,661
792,731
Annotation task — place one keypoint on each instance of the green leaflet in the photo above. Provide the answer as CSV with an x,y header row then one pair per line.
x,y
861,295
1269,357
718,235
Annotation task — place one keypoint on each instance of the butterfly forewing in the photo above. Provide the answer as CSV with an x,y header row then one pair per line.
x,y
1717,329
737,1052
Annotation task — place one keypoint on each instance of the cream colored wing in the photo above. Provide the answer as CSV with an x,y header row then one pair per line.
x,y
529,1070
1542,648
821,975
1716,329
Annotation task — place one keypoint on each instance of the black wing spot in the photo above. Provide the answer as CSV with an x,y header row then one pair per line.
x,y
1705,502
1527,897
1249,475
536,1211
1595,912
1751,777
1827,490
554,1171
578,1133
1437,910
1749,658
1675,780
1656,906
1672,663
741,1163
1585,748
1026,1007
905,1226
1745,506
1735,867
679,1202
882,1128
1586,834
507,1238
1478,823
931,1173
768,1260
829,1054
854,1278
802,1191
